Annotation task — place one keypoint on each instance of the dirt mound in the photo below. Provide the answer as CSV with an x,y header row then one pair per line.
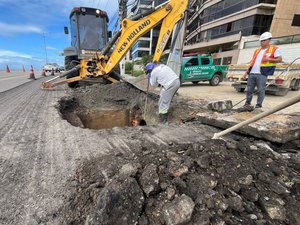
x,y
210,182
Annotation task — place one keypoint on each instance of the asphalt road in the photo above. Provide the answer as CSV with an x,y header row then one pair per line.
x,y
39,151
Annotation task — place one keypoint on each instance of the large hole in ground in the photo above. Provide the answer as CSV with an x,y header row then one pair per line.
x,y
105,119
117,105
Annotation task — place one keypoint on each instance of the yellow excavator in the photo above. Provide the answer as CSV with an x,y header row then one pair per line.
x,y
102,65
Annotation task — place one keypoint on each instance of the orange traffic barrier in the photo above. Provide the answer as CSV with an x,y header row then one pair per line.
x,y
43,73
7,69
31,74
23,69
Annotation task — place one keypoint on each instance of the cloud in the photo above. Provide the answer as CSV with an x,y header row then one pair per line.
x,y
7,29
4,54
15,60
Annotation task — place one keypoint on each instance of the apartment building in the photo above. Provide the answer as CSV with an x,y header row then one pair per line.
x,y
217,26
146,44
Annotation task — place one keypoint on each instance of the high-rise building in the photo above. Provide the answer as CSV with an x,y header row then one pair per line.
x,y
146,44
218,26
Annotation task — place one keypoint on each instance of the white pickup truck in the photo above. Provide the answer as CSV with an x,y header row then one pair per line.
x,y
283,80
49,66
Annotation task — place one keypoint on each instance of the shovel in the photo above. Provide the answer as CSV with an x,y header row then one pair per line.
x,y
281,106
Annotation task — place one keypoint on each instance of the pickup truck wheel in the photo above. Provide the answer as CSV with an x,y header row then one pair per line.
x,y
215,80
180,79
296,87
195,82
240,89
70,63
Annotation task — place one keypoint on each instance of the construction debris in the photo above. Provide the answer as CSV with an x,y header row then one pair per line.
x,y
242,180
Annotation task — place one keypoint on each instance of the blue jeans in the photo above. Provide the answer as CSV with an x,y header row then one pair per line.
x,y
259,81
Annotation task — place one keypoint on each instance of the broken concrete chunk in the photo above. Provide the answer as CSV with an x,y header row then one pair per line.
x,y
120,202
177,172
173,157
236,204
274,210
129,170
149,180
278,188
179,211
246,180
204,161
220,105
170,192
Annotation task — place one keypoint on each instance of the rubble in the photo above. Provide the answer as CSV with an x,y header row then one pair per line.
x,y
238,187
239,180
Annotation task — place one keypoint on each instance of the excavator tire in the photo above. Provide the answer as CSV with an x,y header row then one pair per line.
x,y
70,63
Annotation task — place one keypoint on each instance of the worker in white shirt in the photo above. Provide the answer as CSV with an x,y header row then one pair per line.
x,y
262,65
169,80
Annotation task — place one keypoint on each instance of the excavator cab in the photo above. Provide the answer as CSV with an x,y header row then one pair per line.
x,y
89,35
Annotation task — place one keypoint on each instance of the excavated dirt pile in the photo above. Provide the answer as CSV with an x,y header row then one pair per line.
x,y
238,181
210,182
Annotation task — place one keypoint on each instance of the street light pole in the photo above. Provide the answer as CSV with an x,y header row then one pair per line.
x,y
45,47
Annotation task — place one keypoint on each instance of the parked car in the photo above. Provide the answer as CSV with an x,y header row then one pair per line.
x,y
201,68
49,66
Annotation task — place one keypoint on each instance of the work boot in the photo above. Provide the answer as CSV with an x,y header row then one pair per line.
x,y
246,108
163,118
258,106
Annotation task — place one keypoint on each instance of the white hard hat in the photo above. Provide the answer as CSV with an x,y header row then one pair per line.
x,y
265,36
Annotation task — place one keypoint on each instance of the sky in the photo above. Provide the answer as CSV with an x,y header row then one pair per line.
x,y
28,27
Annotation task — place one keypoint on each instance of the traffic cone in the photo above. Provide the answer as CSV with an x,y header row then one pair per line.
x,y
52,72
31,74
7,69
43,73
23,69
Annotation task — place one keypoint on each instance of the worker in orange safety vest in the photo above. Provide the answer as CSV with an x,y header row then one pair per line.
x,y
262,65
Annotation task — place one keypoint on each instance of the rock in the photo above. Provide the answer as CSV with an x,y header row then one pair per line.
x,y
250,207
278,188
178,171
120,202
178,211
253,148
266,147
173,157
250,193
220,105
236,204
231,145
243,146
170,193
246,180
179,183
204,161
252,216
221,204
149,180
274,210
265,177
128,170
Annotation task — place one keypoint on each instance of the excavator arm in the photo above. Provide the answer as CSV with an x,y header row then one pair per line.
x,y
131,30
